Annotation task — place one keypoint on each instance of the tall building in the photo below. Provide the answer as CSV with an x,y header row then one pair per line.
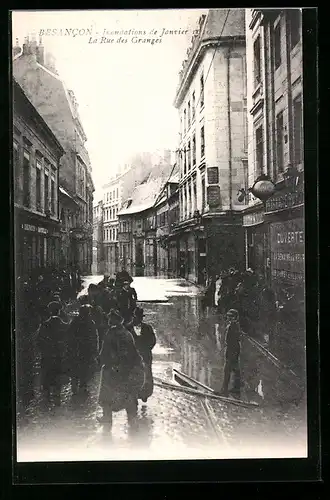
x,y
35,71
275,104
274,229
211,100
36,165
98,258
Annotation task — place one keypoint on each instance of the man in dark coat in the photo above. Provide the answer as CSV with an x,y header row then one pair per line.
x,y
233,349
126,299
122,276
122,374
145,342
50,341
83,350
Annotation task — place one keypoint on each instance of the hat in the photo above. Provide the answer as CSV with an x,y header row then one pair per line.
x,y
114,318
139,312
84,310
54,308
84,300
233,312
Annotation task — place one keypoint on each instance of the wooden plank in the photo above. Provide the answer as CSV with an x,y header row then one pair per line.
x,y
167,385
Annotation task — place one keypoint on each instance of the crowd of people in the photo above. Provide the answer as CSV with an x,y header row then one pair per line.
x,y
248,294
106,335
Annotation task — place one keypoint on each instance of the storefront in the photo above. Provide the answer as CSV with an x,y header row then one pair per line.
x,y
37,243
256,243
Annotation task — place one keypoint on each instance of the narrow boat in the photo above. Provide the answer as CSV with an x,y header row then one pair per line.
x,y
194,384
187,381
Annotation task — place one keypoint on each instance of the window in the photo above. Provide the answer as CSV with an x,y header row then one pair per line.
x,y
26,179
194,150
184,121
52,194
117,193
277,46
184,161
279,142
193,104
113,194
202,91
294,26
297,131
189,156
259,150
189,114
257,62
195,194
46,190
38,184
202,142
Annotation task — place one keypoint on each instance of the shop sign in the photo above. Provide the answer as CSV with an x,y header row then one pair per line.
x,y
213,175
253,219
288,250
42,230
283,201
213,196
29,227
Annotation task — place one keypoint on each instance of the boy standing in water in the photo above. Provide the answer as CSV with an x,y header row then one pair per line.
x,y
233,351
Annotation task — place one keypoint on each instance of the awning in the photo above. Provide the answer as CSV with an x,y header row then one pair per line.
x,y
63,191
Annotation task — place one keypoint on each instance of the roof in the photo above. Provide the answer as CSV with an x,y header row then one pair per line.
x,y
18,90
145,194
63,191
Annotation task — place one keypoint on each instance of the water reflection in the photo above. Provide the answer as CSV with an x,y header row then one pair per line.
x,y
196,340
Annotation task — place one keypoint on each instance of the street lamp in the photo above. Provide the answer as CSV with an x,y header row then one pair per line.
x,y
263,188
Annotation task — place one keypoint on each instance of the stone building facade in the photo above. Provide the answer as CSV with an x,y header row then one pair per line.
x,y
274,230
35,71
36,167
211,101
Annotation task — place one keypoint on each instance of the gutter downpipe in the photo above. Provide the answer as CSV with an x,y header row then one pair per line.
x,y
229,131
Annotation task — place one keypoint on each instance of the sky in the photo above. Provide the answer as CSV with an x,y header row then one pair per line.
x,y
125,91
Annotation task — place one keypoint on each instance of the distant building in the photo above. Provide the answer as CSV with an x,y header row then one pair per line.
x,y
35,71
36,166
141,249
211,100
117,191
98,258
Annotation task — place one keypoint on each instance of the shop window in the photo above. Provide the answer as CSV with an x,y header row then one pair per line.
x,y
257,62
294,18
279,142
277,46
297,131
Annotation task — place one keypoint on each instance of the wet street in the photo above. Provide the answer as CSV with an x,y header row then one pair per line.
x,y
173,424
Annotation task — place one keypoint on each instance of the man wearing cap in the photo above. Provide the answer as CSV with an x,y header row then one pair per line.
x,y
122,375
233,349
50,341
145,342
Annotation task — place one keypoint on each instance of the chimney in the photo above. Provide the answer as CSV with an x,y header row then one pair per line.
x,y
26,46
17,48
34,44
41,52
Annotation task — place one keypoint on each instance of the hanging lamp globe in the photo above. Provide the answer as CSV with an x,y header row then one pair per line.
x,y
263,188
